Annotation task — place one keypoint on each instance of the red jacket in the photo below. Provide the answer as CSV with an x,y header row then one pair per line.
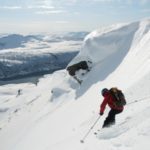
x,y
108,99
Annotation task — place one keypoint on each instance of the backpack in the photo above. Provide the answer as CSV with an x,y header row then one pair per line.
x,y
118,97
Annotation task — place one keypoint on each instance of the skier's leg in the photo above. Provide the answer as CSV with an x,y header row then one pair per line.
x,y
110,120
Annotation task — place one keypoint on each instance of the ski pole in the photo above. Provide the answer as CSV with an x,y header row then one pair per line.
x,y
141,99
83,139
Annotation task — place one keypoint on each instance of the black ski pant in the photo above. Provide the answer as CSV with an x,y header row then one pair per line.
x,y
110,120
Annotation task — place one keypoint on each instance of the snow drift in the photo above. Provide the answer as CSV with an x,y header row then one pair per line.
x,y
56,114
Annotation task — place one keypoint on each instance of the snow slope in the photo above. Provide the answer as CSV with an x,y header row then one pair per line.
x,y
57,113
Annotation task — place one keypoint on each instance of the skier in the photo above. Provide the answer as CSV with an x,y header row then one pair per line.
x,y
109,99
19,92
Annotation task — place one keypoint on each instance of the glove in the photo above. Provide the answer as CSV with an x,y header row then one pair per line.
x,y
101,113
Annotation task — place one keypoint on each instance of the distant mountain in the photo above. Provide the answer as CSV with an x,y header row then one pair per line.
x,y
14,41
25,65
17,40
37,54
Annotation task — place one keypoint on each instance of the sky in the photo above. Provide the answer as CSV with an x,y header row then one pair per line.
x,y
40,16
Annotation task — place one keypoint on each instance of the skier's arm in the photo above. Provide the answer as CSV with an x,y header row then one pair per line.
x,y
103,105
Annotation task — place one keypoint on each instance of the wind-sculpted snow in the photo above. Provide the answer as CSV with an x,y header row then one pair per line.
x,y
101,44
114,48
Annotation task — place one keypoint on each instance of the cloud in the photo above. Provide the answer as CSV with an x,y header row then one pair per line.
x,y
11,7
145,1
57,2
146,10
106,0
62,22
41,6
44,2
50,12
45,7
141,2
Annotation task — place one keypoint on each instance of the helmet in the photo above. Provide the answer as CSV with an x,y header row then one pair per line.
x,y
104,91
